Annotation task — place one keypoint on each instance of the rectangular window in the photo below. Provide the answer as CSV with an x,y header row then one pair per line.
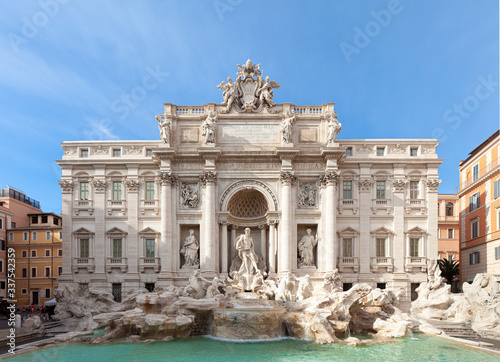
x,y
84,248
414,151
47,252
380,151
117,248
11,237
33,253
59,252
24,253
414,195
34,235
84,152
33,272
380,247
24,291
497,252
59,270
347,186
13,224
475,172
1,224
347,248
47,293
474,201
496,188
56,221
25,272
2,245
45,219
60,235
117,190
2,285
84,190
474,258
117,152
47,235
34,219
414,246
450,233
149,152
150,190
150,248
474,229
380,190
25,236
348,151
1,266
47,272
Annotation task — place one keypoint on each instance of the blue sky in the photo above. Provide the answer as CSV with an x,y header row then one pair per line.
x,y
395,69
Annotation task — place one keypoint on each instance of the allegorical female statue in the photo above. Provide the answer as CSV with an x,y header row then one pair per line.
x,y
306,249
334,127
209,128
164,126
190,250
286,129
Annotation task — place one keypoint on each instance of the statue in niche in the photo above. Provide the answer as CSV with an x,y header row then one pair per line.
x,y
286,129
307,197
190,250
247,269
334,127
164,126
306,249
189,196
209,128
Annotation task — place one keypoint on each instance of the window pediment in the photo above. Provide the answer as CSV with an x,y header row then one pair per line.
x,y
382,231
116,231
416,231
148,230
83,231
349,231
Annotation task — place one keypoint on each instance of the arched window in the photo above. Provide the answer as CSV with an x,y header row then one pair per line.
x,y
449,209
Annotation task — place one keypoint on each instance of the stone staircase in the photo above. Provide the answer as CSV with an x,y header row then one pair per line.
x,y
459,331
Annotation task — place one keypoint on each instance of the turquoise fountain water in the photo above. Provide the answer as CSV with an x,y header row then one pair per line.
x,y
207,349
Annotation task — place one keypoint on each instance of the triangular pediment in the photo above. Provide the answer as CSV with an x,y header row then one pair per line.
x,y
116,230
382,230
82,230
348,230
148,230
416,230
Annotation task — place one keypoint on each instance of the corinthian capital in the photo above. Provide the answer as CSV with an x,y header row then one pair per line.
x,y
330,178
209,177
66,186
432,185
167,178
287,177
398,185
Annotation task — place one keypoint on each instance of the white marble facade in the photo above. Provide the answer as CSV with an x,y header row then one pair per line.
x,y
278,169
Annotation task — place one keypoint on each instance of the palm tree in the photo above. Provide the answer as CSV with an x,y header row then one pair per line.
x,y
449,269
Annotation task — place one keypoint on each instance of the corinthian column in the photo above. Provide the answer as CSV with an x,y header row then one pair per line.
x,y
224,248
166,246
208,246
272,246
284,251
330,180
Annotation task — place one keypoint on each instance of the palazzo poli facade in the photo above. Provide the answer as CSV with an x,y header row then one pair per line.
x,y
148,213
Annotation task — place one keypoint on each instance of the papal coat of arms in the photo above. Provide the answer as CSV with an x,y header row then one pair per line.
x,y
250,92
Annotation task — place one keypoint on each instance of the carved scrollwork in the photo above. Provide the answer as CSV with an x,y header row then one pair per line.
x,y
66,186
132,185
365,184
432,185
99,186
398,185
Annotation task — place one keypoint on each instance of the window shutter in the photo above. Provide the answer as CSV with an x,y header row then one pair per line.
x,y
478,261
470,203
496,188
470,258
478,199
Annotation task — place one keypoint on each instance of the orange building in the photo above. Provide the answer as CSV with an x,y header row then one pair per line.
x,y
38,250
14,209
449,227
479,195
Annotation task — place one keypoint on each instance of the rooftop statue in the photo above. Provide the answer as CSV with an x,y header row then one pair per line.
x,y
250,92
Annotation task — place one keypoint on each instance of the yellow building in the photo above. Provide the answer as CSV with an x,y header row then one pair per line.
x,y
38,250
